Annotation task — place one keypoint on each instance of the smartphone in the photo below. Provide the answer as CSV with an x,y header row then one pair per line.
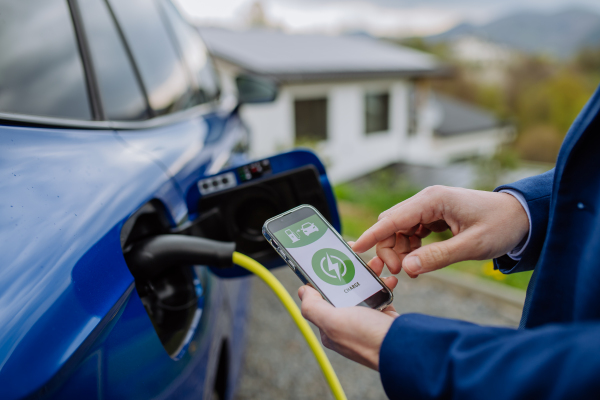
x,y
318,255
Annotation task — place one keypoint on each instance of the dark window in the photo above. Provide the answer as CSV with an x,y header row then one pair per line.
x,y
311,120
195,55
120,92
377,112
162,74
40,66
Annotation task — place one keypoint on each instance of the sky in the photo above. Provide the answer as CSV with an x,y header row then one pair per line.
x,y
378,17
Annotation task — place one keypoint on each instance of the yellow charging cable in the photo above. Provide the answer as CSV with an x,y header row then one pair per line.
x,y
264,274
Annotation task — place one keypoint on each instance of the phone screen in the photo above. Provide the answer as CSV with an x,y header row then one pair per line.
x,y
335,269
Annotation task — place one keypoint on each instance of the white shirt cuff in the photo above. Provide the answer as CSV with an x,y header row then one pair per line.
x,y
516,253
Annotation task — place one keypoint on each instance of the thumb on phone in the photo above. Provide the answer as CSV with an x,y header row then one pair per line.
x,y
313,307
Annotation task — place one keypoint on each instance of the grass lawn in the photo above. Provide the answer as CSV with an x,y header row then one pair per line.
x,y
360,205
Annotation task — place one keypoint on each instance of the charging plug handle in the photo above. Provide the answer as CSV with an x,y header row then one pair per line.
x,y
150,257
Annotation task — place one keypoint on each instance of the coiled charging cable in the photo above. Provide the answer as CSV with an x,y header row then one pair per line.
x,y
264,274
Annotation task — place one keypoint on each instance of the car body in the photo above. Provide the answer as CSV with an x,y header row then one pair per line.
x,y
110,115
309,228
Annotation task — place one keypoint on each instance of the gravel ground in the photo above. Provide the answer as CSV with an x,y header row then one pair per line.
x,y
279,364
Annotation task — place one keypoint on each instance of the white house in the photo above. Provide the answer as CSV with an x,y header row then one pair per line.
x,y
360,103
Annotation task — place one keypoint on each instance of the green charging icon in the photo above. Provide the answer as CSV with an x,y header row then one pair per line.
x,y
333,267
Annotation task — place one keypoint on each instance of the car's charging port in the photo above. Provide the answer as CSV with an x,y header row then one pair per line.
x,y
228,207
238,213
169,293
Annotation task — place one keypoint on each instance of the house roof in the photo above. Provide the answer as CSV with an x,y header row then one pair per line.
x,y
459,117
317,57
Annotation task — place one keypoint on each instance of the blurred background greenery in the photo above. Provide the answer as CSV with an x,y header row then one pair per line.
x,y
360,203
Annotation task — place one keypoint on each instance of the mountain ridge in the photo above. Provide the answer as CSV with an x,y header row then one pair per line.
x,y
560,34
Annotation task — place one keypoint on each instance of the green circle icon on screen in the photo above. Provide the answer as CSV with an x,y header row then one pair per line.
x,y
333,266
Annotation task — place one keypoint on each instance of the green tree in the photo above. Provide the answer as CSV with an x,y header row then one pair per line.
x,y
539,143
556,101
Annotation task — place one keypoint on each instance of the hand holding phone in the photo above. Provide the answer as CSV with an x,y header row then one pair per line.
x,y
318,255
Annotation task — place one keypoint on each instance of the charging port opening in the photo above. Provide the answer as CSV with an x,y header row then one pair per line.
x,y
170,299
238,214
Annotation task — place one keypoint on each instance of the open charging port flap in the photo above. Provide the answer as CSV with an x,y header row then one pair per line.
x,y
238,213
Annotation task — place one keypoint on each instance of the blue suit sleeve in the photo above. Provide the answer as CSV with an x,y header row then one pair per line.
x,y
426,357
537,191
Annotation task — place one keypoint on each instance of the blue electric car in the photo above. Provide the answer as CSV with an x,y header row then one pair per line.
x,y
112,131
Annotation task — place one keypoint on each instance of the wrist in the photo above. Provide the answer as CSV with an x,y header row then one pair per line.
x,y
519,223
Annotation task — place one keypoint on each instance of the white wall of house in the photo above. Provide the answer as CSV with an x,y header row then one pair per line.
x,y
271,125
349,152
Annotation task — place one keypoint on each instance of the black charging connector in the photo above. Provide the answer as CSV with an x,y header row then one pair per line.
x,y
165,282
150,257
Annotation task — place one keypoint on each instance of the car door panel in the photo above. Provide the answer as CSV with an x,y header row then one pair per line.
x,y
63,269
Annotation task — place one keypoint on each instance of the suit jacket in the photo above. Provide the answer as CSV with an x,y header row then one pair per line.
x,y
556,352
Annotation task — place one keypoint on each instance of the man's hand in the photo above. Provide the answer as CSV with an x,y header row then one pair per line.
x,y
354,332
484,224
